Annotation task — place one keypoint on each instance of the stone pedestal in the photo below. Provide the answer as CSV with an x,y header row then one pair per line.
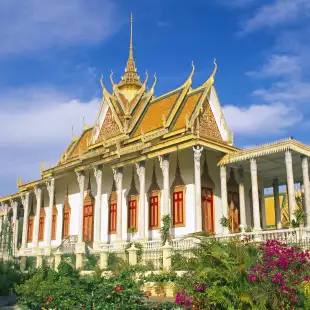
x,y
132,253
167,252
79,261
39,261
57,260
104,259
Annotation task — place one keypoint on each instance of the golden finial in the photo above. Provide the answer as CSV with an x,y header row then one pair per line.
x,y
130,44
42,168
83,121
153,86
210,80
19,182
111,79
215,68
189,80
101,81
146,77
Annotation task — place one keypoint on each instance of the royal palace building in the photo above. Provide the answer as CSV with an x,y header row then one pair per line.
x,y
145,157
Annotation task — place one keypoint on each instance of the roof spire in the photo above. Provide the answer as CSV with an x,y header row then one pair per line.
x,y
130,44
130,79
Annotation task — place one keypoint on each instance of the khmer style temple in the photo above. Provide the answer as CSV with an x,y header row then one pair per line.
x,y
146,157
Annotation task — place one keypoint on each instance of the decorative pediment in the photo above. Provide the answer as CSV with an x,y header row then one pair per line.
x,y
132,189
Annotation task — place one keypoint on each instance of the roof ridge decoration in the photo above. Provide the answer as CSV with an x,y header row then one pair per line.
x,y
185,88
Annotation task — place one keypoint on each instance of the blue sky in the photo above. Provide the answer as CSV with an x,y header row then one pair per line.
x,y
52,54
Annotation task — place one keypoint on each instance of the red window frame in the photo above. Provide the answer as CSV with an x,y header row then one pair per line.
x,y
54,223
30,229
208,198
178,208
132,213
66,223
41,225
154,210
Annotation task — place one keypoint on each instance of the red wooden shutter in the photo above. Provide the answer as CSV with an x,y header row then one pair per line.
x,y
153,212
30,230
178,208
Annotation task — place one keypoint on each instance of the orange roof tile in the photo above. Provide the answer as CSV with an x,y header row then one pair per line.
x,y
188,108
153,118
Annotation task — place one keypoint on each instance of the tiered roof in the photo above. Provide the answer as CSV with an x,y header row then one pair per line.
x,y
132,124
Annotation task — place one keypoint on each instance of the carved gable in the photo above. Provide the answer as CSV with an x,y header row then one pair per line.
x,y
207,124
109,127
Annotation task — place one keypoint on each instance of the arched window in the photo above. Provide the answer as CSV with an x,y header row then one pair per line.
x,y
178,198
233,202
54,222
207,187
112,213
41,224
30,229
88,216
132,204
154,202
66,218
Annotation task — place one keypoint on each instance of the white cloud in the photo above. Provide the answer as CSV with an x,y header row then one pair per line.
x,y
35,126
260,120
37,24
277,13
278,65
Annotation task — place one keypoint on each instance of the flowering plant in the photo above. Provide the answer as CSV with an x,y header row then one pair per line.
x,y
183,298
283,269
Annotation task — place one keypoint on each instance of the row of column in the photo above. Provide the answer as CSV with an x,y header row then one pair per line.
x,y
118,178
255,192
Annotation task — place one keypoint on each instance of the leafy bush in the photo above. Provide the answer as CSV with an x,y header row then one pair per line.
x,y
9,276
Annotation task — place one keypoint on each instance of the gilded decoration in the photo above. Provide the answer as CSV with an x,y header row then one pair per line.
x,y
109,127
207,123
81,146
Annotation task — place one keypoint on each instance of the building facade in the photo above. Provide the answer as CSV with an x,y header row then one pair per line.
x,y
146,157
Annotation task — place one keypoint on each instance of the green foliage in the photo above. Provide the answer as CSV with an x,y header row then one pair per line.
x,y
65,289
165,234
69,258
91,262
161,277
224,221
30,263
9,276
6,239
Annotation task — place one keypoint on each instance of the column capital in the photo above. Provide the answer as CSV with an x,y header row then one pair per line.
x,y
223,171
50,187
304,162
288,156
25,198
37,192
118,175
139,167
79,176
164,162
98,173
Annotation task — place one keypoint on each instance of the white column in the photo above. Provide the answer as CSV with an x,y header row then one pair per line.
x,y
255,197
197,172
59,224
97,231
242,198
262,199
50,189
305,174
81,180
25,202
118,177
290,183
276,200
164,165
141,220
223,172
14,205
38,194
